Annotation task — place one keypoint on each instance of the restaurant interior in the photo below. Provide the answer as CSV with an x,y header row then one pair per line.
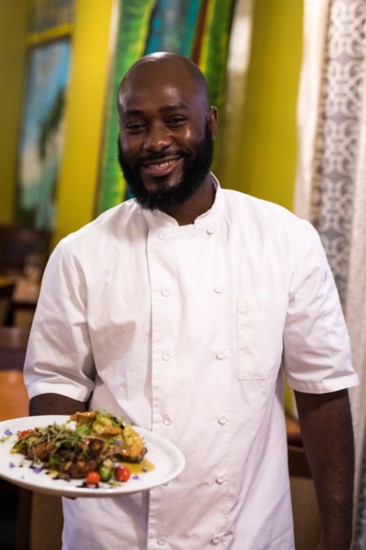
x,y
259,65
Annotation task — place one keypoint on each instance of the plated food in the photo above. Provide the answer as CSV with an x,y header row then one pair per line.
x,y
151,460
94,448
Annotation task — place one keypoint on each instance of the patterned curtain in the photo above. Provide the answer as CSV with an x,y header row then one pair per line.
x,y
330,186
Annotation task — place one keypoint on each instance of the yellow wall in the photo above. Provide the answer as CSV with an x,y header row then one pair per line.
x,y
12,61
84,116
265,164
265,151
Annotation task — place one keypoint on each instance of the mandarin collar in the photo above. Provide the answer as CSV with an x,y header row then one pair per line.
x,y
157,218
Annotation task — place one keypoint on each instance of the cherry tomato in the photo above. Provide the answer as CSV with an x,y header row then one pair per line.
x,y
92,478
121,473
22,434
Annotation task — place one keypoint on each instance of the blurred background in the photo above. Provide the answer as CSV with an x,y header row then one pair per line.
x,y
60,64
288,78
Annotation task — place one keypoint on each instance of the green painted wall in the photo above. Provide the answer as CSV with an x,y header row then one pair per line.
x,y
264,162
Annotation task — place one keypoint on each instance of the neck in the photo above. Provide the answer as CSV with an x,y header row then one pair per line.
x,y
196,205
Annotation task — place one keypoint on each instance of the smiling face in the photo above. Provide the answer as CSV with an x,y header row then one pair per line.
x,y
166,131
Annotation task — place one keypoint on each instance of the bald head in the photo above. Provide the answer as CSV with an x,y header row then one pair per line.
x,y
169,65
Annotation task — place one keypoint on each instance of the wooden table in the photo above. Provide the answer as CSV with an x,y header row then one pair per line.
x,y
6,279
26,291
13,395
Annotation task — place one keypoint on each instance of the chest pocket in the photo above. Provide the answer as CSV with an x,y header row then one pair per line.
x,y
260,337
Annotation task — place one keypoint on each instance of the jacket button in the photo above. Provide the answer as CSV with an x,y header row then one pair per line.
x,y
218,289
167,420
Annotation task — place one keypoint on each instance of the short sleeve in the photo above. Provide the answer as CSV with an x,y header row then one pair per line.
x,y
317,355
59,357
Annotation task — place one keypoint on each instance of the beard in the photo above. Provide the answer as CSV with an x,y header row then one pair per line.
x,y
196,166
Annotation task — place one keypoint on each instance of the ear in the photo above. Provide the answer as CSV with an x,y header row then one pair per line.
x,y
212,120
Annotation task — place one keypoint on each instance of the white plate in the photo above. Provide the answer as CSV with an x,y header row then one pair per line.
x,y
166,457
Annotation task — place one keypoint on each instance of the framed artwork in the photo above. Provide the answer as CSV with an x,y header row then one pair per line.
x,y
50,26
50,19
41,138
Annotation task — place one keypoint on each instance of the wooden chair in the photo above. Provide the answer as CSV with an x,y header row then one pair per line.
x,y
37,518
6,294
13,404
13,346
17,242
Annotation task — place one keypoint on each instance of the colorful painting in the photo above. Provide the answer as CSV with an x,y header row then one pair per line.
x,y
50,19
41,140
198,29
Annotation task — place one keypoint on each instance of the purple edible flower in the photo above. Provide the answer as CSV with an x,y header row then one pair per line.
x,y
135,476
8,432
11,465
37,469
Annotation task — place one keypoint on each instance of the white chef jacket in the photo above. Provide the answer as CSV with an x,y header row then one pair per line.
x,y
186,331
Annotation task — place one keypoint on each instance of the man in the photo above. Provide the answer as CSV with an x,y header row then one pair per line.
x,y
181,309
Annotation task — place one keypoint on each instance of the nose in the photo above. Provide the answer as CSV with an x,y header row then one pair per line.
x,y
157,138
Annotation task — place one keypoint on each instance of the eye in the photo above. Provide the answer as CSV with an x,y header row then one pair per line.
x,y
134,127
176,120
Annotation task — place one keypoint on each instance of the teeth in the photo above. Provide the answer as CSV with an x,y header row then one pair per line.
x,y
166,163
162,164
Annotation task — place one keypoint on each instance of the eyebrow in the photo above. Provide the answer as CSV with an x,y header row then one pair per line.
x,y
165,109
